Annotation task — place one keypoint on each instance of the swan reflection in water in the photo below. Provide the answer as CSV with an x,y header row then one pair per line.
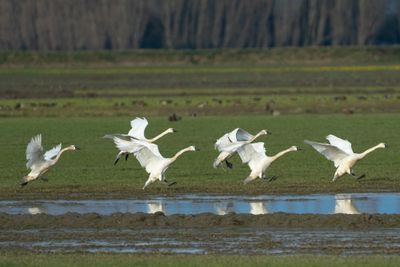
x,y
223,208
344,205
156,206
257,208
36,210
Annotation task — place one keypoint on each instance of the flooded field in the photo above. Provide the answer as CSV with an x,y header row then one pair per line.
x,y
358,203
213,240
341,224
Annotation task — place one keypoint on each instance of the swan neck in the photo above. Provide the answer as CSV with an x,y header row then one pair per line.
x,y
255,137
179,153
280,154
59,153
158,136
366,152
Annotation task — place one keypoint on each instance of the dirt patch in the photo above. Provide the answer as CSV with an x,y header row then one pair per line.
x,y
159,220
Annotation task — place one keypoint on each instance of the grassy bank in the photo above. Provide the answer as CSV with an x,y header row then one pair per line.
x,y
88,260
91,171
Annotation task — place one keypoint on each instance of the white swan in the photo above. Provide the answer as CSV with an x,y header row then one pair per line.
x,y
254,155
154,207
258,208
340,152
156,165
138,127
229,143
223,208
39,161
344,205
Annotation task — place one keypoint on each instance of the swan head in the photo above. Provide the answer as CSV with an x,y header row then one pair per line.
x,y
383,145
171,130
192,148
74,147
295,148
264,132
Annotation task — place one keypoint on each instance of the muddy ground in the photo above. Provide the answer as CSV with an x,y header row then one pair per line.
x,y
159,220
281,234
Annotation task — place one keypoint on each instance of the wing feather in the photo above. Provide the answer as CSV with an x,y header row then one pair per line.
x,y
237,135
330,152
252,153
242,135
34,150
128,145
148,154
138,126
50,154
344,145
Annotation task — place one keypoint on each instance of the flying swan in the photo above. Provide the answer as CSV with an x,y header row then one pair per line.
x,y
340,152
254,155
138,127
229,143
156,165
39,161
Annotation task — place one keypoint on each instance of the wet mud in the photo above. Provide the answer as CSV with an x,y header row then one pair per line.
x,y
207,220
282,234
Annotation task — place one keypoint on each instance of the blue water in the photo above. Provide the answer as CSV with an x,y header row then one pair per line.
x,y
355,203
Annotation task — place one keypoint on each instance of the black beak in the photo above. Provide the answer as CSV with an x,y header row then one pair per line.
x,y
77,148
386,146
268,132
174,131
196,149
299,149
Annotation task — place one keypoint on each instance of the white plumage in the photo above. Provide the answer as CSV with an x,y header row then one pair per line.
x,y
128,143
154,163
39,161
229,143
255,156
341,153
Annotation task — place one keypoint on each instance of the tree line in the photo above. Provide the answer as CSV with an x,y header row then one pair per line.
x,y
195,24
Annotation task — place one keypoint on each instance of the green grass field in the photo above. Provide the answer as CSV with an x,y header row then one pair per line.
x,y
91,169
221,82
88,260
297,94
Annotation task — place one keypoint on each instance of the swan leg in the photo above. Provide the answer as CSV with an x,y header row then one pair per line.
x,y
126,156
25,180
360,177
272,178
116,160
167,183
228,164
249,179
148,182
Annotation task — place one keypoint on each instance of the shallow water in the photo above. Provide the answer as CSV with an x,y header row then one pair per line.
x,y
214,240
355,203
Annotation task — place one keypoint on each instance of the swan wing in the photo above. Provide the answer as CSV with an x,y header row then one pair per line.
x,y
242,135
127,145
330,152
252,154
237,135
50,154
138,126
34,150
120,136
148,154
222,142
344,145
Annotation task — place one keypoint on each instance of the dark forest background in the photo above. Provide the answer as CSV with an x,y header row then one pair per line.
x,y
195,24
